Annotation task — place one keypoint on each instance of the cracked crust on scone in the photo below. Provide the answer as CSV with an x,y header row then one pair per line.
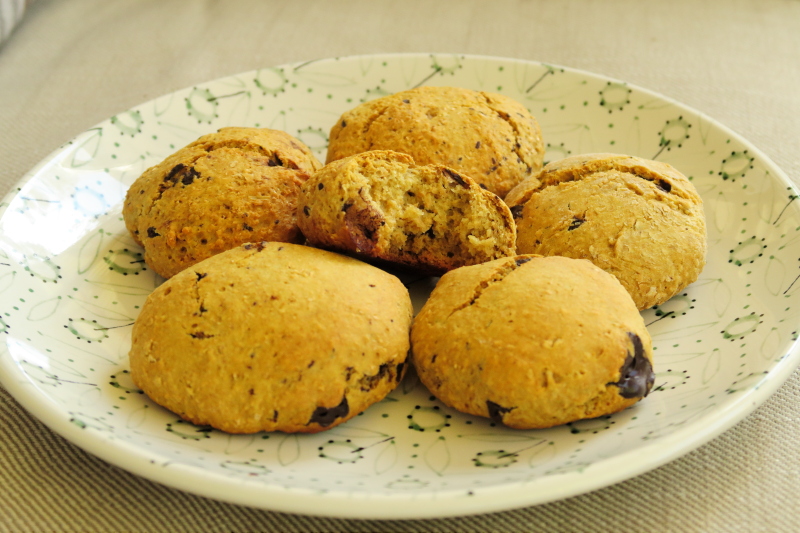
x,y
532,342
226,188
272,337
380,205
489,137
638,219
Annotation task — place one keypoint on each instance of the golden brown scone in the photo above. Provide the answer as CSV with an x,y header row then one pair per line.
x,y
489,137
381,206
638,219
272,337
230,187
532,342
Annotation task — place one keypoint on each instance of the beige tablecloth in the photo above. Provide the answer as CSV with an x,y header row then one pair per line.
x,y
71,63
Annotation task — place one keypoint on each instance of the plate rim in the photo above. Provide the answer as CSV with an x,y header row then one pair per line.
x,y
606,472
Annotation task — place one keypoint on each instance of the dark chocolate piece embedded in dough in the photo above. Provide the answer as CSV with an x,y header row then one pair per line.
x,y
496,411
636,375
324,416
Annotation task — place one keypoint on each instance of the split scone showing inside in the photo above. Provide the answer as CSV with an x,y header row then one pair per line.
x,y
488,136
380,205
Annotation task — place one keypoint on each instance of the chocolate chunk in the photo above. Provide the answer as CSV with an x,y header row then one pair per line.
x,y
367,383
246,227
182,173
258,246
663,185
189,175
576,223
275,161
344,124
171,176
453,175
477,145
151,232
320,186
306,210
522,260
362,226
201,276
636,374
406,101
325,416
496,411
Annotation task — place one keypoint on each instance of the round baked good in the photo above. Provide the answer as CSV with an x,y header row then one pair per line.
x,y
638,219
272,337
381,206
532,342
230,187
489,137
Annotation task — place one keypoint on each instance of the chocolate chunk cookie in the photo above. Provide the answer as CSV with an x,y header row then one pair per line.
x,y
230,187
638,219
380,205
489,137
532,342
272,337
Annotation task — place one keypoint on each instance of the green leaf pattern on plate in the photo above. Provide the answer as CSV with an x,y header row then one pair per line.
x,y
73,281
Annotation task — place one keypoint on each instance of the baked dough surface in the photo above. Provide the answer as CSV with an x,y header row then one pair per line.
x,y
226,188
638,219
532,342
381,205
272,337
489,137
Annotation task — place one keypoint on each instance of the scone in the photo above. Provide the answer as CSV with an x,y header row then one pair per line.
x,y
638,219
532,342
381,206
230,187
272,337
489,137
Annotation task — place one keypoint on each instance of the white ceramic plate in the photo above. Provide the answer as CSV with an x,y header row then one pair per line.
x,y
72,282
